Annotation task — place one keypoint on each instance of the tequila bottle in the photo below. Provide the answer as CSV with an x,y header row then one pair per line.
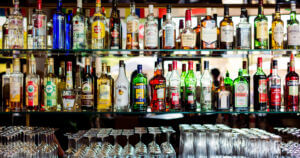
x,y
50,85
122,87
15,28
132,41
79,28
226,29
39,31
98,28
32,87
59,27
104,91
16,87
151,31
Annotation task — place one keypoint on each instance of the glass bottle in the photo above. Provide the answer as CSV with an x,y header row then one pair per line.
x,y
16,87
115,33
98,28
175,84
261,36
50,34
132,40
260,88
198,86
69,31
87,88
243,31
168,75
122,88
169,31
293,31
275,89
139,89
197,30
178,39
39,31
59,27
188,35
151,31
208,31
224,97
50,85
104,91
5,88
5,36
228,81
190,89
277,30
241,93
226,29
15,28
291,92
61,84
206,89
68,95
182,83
30,36
32,87
79,28
246,75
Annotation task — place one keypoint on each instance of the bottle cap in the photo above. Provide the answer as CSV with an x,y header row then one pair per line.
x,y
226,10
108,69
244,64
206,65
69,65
259,61
183,67
277,8
139,67
274,63
197,67
181,24
174,64
169,67
244,13
188,15
191,64
121,63
169,8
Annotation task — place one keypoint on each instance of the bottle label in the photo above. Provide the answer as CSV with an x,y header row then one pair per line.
x,y
151,36
140,90
115,36
206,93
190,94
104,95
15,90
224,100
227,33
293,35
278,34
262,91
132,26
174,95
262,30
293,87
245,37
188,40
209,32
68,103
31,94
51,96
98,30
160,91
121,95
38,22
79,34
69,81
169,36
87,94
241,95
275,95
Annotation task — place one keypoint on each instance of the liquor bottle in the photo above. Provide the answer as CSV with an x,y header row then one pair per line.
x,y
190,89
5,88
77,88
226,28
112,83
32,87
139,89
87,88
182,84
198,86
68,94
132,40
79,28
208,31
15,28
5,36
228,81
243,31
206,89
178,39
16,87
104,91
277,30
98,28
69,31
241,93
169,31
275,89
30,36
50,85
261,37
197,30
122,86
25,32
50,34
260,88
39,31
168,75
188,35
291,92
293,31
224,97
115,34
151,31
175,85
59,27
61,84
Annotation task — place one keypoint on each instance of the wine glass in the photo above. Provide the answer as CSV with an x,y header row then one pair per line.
x,y
128,151
117,149
153,147
167,148
140,147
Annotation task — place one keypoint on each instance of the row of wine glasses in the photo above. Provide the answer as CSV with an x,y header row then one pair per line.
x,y
33,142
94,143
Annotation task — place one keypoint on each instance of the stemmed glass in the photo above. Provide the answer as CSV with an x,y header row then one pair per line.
x,y
140,147
105,146
70,151
166,147
117,149
128,151
153,147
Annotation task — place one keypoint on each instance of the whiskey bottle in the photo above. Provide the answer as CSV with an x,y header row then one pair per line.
x,y
277,30
188,35
208,31
226,28
87,88
293,31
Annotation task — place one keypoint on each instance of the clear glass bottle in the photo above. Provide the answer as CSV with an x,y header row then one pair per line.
x,y
175,86
98,28
39,31
122,87
243,31
5,88
188,35
169,31
16,87
15,28
50,87
223,97
206,89
275,88
209,32
32,87
132,41
151,31
293,31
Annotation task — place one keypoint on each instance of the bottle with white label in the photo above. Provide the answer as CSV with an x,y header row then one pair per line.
x,y
79,28
174,92
151,31
209,31
122,90
293,31
277,30
169,31
226,28
224,97
16,87
240,93
32,87
206,88
243,31
188,35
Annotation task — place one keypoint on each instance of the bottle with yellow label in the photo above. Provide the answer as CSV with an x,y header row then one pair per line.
x,y
98,28
32,87
104,91
16,87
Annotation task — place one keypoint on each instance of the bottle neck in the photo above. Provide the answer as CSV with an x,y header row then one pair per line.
x,y
188,23
87,69
274,71
244,19
32,69
8,70
277,15
132,9
69,80
260,10
98,6
168,16
39,5
50,69
59,4
122,71
293,15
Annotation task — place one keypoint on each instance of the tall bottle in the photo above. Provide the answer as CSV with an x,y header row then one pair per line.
x,y
50,88
115,33
98,28
104,91
50,34
68,95
223,97
87,88
206,89
122,87
291,92
188,35
59,21
69,31
182,84
174,92
198,86
246,75
32,87
139,89
197,30
79,28
5,88
15,28
277,30
293,31
241,93
39,31
260,88
169,31
16,87
132,40
168,75
275,89
61,82
209,31
190,89
178,38
226,28
243,31
151,31
261,36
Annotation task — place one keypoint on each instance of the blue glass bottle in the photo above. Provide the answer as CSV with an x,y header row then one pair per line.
x,y
69,31
59,27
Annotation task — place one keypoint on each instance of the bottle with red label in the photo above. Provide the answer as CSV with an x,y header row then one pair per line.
x,y
291,92
190,82
274,83
260,88
32,87
174,89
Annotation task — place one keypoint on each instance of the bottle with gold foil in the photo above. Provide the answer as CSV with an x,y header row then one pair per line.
x,y
277,30
104,91
32,87
50,88
61,82
87,88
16,87
98,28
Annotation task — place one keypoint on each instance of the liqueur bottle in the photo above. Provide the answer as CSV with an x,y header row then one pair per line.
x,y
190,89
32,87
241,93
69,31
16,87
293,30
277,30
59,27
132,41
206,89
169,31
68,94
224,97
98,28
261,37
182,84
5,88
174,92
139,89
208,31
226,29
151,31
15,28
243,31
104,91
79,28
291,92
188,35
275,88
50,88
115,34
122,87
39,31
260,88
87,88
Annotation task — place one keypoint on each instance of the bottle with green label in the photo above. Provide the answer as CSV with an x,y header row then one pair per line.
x,y
240,93
50,88
139,83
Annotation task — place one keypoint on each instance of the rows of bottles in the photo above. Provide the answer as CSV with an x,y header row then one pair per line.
x,y
68,31
97,90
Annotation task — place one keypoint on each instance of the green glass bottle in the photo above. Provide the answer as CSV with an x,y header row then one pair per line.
x,y
139,83
293,30
182,89
261,36
190,89
228,81
240,93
